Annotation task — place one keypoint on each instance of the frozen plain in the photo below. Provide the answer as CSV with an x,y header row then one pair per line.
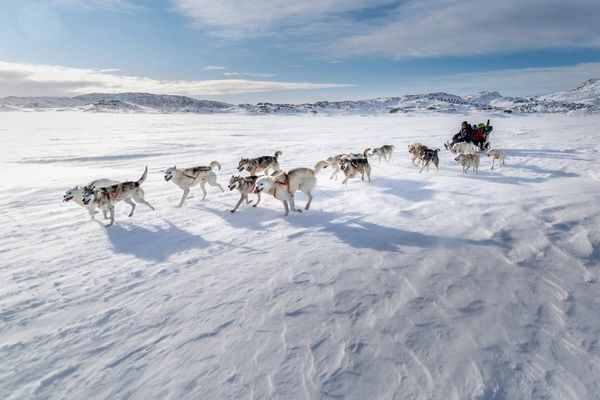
x,y
417,286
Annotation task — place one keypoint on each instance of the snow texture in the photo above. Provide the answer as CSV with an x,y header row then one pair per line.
x,y
417,286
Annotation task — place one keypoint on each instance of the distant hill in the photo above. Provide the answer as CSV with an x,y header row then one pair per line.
x,y
584,98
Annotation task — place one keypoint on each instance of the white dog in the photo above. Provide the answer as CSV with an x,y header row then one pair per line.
x,y
188,177
76,194
468,161
496,154
464,148
284,186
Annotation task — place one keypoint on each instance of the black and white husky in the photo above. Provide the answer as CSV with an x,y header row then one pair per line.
x,y
106,197
260,164
430,156
75,194
188,177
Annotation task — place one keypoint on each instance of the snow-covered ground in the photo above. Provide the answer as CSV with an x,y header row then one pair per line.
x,y
417,286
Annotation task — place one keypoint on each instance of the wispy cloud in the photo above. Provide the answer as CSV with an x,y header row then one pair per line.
x,y
214,68
408,28
49,80
234,18
517,82
456,28
250,74
113,5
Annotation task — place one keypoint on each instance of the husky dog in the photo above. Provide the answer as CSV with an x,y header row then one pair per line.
x,y
283,186
428,157
106,197
496,154
384,152
335,163
351,166
416,150
468,161
75,194
464,148
244,185
188,177
260,164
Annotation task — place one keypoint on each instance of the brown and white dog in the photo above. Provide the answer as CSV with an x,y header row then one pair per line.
x,y
106,197
496,154
188,177
75,194
468,161
415,151
335,162
283,186
260,164
245,185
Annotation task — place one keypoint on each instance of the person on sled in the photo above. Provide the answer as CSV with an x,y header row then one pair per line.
x,y
465,135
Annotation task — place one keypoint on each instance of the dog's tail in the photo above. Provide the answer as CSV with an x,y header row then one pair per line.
x,y
143,177
214,164
320,165
278,154
366,152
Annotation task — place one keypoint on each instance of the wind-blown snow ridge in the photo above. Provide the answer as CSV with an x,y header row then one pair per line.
x,y
585,98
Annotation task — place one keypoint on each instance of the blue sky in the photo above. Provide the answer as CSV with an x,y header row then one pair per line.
x,y
277,50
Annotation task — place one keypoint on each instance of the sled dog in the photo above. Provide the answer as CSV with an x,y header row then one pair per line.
x,y
245,185
188,177
496,154
464,148
260,164
430,156
468,161
352,166
106,197
415,151
76,193
283,186
384,152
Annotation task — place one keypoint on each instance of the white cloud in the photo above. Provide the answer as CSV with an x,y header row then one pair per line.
x,y
237,18
511,82
214,68
250,74
17,79
405,29
115,5
480,27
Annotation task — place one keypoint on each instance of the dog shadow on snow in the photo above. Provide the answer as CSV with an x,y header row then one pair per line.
x,y
349,228
410,190
354,231
153,243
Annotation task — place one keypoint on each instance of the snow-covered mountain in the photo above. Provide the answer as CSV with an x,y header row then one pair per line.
x,y
585,98
586,93
119,102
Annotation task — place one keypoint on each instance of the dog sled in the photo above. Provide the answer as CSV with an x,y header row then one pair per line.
x,y
479,136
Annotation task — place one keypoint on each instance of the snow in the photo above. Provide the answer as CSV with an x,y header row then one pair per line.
x,y
417,286
587,93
